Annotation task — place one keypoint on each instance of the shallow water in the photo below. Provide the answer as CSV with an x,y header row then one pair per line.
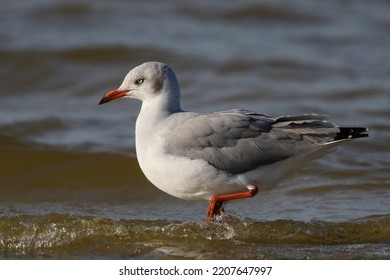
x,y
69,180
75,236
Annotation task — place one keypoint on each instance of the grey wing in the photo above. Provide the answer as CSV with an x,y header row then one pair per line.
x,y
238,141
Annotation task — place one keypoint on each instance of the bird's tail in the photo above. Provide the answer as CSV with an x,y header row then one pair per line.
x,y
351,132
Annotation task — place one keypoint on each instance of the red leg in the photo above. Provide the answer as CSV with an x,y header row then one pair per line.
x,y
216,203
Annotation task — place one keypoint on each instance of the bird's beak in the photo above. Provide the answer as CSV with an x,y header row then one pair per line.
x,y
114,94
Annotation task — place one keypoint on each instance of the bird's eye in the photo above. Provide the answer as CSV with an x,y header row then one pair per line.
x,y
139,81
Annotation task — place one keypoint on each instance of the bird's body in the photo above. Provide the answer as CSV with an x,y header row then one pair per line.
x,y
222,155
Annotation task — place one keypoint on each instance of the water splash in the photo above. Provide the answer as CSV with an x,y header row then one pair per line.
x,y
73,236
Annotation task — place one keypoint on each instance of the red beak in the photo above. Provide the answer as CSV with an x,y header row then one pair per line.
x,y
114,94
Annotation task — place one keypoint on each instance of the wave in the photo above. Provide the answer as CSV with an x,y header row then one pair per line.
x,y
116,53
258,12
74,236
273,13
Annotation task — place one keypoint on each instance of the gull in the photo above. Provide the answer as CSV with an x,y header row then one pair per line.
x,y
218,156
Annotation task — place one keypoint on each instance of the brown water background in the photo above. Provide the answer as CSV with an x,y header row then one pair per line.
x,y
70,185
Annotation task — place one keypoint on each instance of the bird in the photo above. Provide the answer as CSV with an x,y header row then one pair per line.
x,y
218,156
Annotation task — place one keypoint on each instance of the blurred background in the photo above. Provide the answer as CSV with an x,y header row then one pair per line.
x,y
65,159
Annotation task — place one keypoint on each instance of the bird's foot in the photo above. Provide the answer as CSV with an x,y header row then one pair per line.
x,y
215,209
216,204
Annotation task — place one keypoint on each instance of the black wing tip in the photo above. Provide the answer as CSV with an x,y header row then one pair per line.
x,y
351,133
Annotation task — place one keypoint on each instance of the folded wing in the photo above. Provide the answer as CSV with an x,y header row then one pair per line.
x,y
238,141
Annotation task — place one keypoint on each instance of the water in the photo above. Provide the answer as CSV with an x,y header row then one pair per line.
x,y
69,181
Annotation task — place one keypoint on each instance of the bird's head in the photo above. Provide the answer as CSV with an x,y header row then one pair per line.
x,y
145,82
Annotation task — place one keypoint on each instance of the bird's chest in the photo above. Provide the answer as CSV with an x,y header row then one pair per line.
x,y
151,157
162,170
177,175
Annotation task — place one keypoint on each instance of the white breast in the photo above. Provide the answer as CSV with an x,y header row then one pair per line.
x,y
182,177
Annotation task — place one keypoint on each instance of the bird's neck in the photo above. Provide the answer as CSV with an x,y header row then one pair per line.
x,y
154,112
160,107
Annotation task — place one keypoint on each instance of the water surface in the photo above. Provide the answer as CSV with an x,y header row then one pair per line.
x,y
69,180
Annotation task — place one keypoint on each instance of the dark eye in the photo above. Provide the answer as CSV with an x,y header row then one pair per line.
x,y
139,81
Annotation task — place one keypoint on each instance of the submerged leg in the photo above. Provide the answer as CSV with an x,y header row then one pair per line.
x,y
216,203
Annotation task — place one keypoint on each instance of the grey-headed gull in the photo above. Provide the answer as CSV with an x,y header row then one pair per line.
x,y
218,156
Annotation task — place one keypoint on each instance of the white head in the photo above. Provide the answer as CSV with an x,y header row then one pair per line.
x,y
148,82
